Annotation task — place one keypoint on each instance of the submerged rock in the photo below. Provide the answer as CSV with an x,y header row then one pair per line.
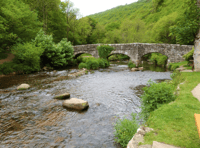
x,y
23,87
134,69
75,103
62,96
140,68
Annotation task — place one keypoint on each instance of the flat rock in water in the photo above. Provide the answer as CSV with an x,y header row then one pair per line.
x,y
62,96
23,86
75,103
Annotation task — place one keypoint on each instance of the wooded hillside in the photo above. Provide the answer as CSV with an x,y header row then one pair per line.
x,y
153,21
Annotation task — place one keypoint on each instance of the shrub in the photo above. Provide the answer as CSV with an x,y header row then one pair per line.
x,y
125,129
189,56
6,68
155,95
101,63
85,59
131,64
104,51
28,55
92,64
57,55
107,63
158,58
82,65
173,66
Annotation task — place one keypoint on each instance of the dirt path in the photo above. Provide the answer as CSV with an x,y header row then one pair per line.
x,y
8,59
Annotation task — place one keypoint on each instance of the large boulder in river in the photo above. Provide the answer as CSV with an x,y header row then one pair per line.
x,y
75,103
23,87
62,96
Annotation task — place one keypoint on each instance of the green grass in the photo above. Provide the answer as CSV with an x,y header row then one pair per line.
x,y
174,123
173,66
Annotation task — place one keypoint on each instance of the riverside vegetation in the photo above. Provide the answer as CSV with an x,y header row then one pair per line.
x,y
154,98
167,119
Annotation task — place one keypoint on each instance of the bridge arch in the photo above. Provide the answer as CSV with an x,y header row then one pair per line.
x,y
165,58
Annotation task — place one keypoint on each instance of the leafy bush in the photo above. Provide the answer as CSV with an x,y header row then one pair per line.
x,y
189,56
125,129
6,68
131,64
101,63
155,95
118,57
28,55
82,65
87,59
158,58
57,55
92,64
107,63
173,66
104,51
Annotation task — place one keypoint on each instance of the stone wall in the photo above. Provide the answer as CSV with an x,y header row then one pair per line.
x,y
135,51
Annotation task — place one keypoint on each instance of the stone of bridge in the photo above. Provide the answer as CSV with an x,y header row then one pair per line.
x,y
135,51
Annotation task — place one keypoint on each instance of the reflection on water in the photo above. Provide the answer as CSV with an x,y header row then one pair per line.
x,y
153,67
32,118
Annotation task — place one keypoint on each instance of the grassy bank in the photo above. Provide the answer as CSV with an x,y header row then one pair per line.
x,y
174,123
185,64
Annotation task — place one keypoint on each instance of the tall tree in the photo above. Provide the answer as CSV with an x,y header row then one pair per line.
x,y
17,23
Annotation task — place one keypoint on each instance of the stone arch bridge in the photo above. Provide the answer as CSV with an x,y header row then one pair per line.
x,y
135,51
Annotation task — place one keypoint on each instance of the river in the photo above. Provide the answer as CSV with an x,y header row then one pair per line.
x,y
32,118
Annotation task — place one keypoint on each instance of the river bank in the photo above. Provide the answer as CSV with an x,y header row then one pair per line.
x,y
174,123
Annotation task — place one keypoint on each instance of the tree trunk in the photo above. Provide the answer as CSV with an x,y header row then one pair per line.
x,y
197,48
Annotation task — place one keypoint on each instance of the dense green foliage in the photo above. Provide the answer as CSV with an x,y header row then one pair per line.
x,y
189,55
158,59
115,57
155,95
173,66
3,56
28,54
93,63
125,129
152,21
82,65
17,23
104,51
131,64
57,55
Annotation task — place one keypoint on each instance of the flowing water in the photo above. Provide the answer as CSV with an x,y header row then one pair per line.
x,y
32,118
